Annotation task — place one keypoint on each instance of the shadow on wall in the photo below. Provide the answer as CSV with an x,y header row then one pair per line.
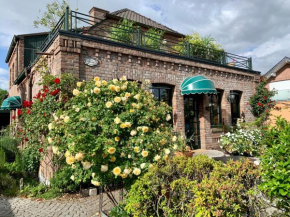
x,y
5,207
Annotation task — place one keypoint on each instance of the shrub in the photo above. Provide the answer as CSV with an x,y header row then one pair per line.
x,y
242,142
30,158
112,131
123,32
154,38
276,163
197,186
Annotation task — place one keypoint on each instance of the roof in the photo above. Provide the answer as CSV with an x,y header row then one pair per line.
x,y
134,16
277,67
16,38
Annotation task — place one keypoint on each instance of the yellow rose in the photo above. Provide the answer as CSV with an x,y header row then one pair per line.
x,y
111,150
118,89
127,95
98,83
136,149
136,171
112,159
104,168
76,92
79,84
123,175
87,165
96,79
49,140
168,117
67,154
50,126
115,131
105,155
117,171
162,141
123,78
123,126
127,124
117,138
79,156
112,87
109,104
117,120
165,157
95,183
134,105
174,138
131,110
115,80
137,96
66,119
55,150
144,153
157,158
127,171
142,166
97,90
167,151
72,177
124,87
89,104
70,160
145,129
104,82
133,133
117,99
94,118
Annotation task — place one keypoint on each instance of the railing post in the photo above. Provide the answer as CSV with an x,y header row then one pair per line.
x,y
76,25
138,37
66,17
250,63
224,58
187,48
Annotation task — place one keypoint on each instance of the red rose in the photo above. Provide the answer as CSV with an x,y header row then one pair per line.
x,y
37,96
25,103
259,104
56,81
55,92
46,90
29,104
26,139
266,110
40,150
28,111
13,117
44,94
19,112
41,100
44,87
264,97
43,114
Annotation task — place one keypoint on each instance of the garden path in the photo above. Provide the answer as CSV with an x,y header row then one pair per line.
x,y
77,207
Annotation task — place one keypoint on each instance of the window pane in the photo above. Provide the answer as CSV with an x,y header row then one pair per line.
x,y
215,108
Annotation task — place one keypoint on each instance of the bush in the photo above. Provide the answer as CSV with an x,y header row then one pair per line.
x,y
276,163
112,131
197,186
30,158
242,142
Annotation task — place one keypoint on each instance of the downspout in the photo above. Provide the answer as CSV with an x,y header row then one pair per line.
x,y
30,86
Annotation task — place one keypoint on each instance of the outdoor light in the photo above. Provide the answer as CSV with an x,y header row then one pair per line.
x,y
231,98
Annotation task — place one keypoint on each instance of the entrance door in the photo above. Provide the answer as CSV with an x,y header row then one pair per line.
x,y
235,98
191,116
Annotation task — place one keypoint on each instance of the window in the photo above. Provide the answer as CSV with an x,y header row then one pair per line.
x,y
215,108
163,93
235,98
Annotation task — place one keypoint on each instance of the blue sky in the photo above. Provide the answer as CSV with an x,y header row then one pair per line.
x,y
257,29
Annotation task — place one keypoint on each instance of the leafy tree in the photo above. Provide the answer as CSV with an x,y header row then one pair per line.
x,y
261,102
51,16
2,94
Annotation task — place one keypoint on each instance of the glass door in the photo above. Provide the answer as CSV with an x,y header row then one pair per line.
x,y
235,98
192,123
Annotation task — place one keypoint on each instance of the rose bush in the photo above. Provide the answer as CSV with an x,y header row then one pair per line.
x,y
112,130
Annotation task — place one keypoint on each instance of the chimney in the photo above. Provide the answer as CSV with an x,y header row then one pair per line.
x,y
98,13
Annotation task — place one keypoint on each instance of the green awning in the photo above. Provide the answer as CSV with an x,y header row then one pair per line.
x,y
197,84
12,102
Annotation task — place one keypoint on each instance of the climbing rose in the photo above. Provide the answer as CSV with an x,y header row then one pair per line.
x,y
19,112
40,150
13,117
56,81
264,97
28,111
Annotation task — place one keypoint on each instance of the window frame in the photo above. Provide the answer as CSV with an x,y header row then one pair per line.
x,y
165,87
219,96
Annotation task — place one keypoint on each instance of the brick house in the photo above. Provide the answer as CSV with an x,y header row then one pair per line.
x,y
206,89
278,79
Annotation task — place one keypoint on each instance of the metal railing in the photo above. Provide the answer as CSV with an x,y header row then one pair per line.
x,y
139,36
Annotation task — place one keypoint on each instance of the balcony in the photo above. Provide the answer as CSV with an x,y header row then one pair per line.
x,y
139,37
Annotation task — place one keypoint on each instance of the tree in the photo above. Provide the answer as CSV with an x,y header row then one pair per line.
x,y
2,94
51,16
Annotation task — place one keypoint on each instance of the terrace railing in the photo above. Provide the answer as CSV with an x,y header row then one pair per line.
x,y
139,36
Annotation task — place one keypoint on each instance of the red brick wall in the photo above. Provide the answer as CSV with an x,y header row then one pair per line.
x,y
282,75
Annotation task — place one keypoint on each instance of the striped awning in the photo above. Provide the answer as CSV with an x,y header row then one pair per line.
x,y
12,102
197,85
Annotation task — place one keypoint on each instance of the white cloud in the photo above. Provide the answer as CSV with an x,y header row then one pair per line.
x,y
4,79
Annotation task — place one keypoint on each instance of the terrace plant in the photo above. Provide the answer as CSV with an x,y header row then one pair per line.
x,y
123,31
112,131
153,39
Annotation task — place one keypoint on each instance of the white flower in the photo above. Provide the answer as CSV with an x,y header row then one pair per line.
x,y
147,81
89,104
168,117
55,150
136,171
174,138
72,177
127,171
129,156
93,175
167,151
175,147
133,132
157,158
137,96
143,165
77,109
87,165
104,168
123,78
79,84
66,119
115,80
49,140
50,126
117,120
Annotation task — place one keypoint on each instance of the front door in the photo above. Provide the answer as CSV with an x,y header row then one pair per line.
x,y
191,116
